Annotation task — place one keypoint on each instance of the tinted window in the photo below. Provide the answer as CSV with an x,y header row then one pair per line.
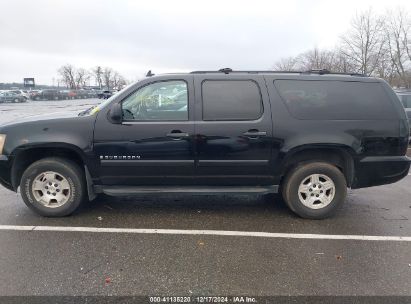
x,y
231,100
335,99
165,100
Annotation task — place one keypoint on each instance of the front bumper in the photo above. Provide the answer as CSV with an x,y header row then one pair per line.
x,y
5,172
380,170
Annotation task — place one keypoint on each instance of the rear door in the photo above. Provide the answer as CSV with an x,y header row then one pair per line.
x,y
233,130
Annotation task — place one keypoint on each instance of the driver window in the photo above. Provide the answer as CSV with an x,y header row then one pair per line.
x,y
164,100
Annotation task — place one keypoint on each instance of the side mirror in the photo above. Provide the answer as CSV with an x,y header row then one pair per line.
x,y
116,113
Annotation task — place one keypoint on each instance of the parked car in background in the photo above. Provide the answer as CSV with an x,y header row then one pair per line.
x,y
72,94
51,94
64,94
9,96
22,93
83,94
33,94
105,94
92,93
48,94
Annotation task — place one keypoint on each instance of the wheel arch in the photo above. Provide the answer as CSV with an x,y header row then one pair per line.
x,y
24,156
339,155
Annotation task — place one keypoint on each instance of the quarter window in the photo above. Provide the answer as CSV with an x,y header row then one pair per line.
x,y
231,100
165,100
335,100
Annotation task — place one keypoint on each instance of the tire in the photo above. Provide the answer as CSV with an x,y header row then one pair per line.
x,y
16,100
314,178
71,186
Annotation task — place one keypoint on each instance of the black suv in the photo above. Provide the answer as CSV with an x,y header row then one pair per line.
x,y
306,135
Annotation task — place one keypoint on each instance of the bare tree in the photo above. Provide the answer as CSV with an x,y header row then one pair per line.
x,y
397,27
67,74
107,77
363,44
374,45
118,81
286,64
342,63
98,75
82,77
332,60
317,59
78,78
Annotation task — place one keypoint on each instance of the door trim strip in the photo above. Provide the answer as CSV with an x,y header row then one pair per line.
x,y
231,162
148,162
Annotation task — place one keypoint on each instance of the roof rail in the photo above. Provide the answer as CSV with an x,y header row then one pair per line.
x,y
317,71
312,71
225,70
325,71
228,70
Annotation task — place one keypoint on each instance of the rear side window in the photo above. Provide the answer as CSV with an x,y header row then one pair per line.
x,y
231,100
335,100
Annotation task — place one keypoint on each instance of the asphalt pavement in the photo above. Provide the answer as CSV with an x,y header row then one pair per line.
x,y
141,262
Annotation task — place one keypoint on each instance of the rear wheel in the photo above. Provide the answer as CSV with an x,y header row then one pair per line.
x,y
315,190
53,187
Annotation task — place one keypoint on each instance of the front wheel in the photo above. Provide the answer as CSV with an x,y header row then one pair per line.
x,y
315,190
53,187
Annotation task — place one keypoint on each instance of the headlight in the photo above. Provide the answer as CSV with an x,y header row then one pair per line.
x,y
2,140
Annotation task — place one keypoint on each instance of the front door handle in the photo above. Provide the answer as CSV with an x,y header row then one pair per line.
x,y
176,134
256,133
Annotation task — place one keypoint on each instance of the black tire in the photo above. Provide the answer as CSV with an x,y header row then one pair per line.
x,y
297,175
64,167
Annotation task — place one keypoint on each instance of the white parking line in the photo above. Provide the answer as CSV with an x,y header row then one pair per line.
x,y
208,232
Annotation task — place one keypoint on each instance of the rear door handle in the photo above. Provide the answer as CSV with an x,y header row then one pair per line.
x,y
255,133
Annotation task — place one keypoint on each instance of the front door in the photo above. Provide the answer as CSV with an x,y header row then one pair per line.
x,y
154,143
233,130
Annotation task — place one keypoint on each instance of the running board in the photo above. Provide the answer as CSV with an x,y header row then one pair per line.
x,y
204,190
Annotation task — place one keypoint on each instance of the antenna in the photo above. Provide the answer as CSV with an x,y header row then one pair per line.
x,y
149,74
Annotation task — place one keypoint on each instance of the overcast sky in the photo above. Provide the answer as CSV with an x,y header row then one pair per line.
x,y
38,36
